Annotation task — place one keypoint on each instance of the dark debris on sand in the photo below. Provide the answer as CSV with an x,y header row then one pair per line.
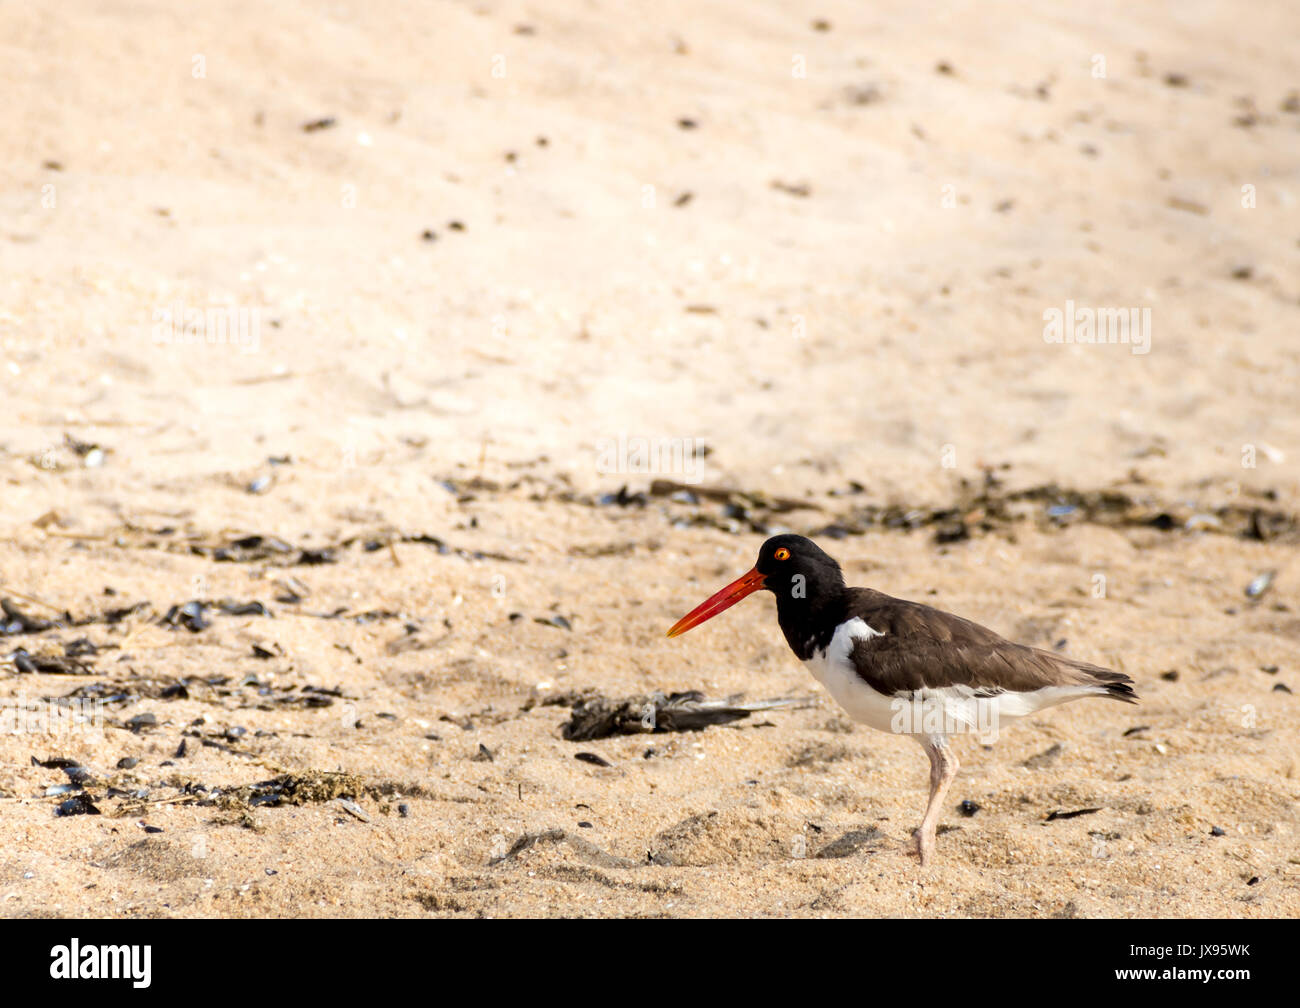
x,y
247,692
595,716
980,506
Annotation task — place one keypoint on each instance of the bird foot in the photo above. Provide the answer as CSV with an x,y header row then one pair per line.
x,y
923,846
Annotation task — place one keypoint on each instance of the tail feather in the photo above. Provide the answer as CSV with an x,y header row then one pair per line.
x,y
1117,685
1120,688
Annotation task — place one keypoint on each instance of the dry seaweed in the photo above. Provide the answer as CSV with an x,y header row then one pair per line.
x,y
49,664
979,507
986,507
248,692
18,622
304,787
596,716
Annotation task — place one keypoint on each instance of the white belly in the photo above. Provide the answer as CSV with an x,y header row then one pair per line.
x,y
833,670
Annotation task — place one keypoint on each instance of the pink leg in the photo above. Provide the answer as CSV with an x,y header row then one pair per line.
x,y
943,768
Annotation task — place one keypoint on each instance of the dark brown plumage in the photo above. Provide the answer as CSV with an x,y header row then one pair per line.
x,y
925,648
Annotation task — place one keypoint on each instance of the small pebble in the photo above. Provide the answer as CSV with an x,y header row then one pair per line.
x,y
142,721
352,808
1260,584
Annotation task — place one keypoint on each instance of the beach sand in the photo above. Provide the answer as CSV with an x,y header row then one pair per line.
x,y
810,262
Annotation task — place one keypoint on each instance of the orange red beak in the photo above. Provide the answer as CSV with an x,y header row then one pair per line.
x,y
744,585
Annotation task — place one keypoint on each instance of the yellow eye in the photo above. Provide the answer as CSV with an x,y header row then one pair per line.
x,y
782,554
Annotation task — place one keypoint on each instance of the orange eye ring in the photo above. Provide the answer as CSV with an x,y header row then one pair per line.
x,y
782,554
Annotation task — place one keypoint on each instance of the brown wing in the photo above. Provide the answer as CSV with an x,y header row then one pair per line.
x,y
926,648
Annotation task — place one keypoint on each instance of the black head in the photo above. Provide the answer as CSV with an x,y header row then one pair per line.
x,y
804,579
796,568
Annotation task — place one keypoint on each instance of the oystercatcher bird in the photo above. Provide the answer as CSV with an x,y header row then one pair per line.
x,y
904,667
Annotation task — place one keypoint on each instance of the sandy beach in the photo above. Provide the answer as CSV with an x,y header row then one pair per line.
x,y
383,382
